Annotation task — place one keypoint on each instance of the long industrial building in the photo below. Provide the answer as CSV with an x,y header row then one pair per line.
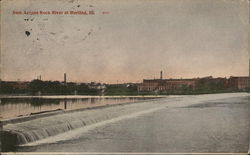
x,y
168,85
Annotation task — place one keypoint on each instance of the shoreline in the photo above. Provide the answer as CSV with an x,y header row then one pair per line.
x,y
110,96
80,96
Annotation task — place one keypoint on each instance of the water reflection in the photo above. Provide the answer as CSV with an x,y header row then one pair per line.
x,y
15,107
65,104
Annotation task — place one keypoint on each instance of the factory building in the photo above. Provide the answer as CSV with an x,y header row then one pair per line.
x,y
238,83
166,84
169,85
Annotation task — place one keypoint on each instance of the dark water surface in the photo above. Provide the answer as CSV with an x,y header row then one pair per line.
x,y
15,107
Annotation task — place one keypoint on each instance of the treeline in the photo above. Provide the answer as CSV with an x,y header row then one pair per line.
x,y
38,87
204,86
7,88
121,89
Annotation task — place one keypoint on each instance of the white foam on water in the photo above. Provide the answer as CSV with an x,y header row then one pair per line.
x,y
72,134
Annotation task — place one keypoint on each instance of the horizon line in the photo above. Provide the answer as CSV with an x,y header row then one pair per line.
x,y
119,82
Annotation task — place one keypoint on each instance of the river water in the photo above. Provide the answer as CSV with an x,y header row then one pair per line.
x,y
215,123
11,107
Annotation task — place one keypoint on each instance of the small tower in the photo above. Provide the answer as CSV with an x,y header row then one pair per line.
x,y
161,75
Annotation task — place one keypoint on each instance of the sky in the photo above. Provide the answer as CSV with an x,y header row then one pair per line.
x,y
125,40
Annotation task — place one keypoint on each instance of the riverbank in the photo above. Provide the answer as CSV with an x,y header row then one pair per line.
x,y
78,96
120,94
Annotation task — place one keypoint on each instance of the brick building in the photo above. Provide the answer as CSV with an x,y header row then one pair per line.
x,y
206,83
166,84
239,83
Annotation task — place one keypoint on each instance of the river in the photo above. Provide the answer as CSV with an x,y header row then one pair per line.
x,y
215,123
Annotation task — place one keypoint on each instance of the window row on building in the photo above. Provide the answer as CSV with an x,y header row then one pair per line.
x,y
233,83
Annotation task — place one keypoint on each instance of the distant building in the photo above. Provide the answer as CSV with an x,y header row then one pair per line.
x,y
205,83
94,85
18,84
150,85
166,84
239,83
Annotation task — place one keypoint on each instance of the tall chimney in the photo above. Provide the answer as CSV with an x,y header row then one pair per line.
x,y
65,78
161,75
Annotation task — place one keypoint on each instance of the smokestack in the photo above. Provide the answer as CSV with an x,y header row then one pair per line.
x,y
65,78
161,75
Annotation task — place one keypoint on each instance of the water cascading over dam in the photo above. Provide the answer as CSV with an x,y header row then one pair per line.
x,y
33,130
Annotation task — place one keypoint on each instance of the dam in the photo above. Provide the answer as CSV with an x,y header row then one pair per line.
x,y
75,112
179,118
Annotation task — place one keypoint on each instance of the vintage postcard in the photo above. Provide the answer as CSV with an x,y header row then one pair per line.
x,y
124,77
